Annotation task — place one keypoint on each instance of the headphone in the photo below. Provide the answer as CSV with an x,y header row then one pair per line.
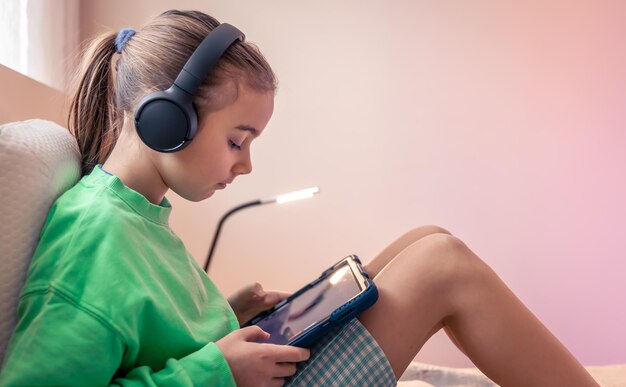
x,y
167,121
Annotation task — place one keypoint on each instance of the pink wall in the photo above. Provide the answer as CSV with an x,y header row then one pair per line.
x,y
501,121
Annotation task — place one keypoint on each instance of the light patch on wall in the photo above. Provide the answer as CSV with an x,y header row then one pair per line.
x,y
14,35
39,38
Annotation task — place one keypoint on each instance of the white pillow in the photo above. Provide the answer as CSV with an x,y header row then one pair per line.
x,y
38,161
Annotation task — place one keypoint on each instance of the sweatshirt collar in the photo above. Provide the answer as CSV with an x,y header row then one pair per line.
x,y
157,213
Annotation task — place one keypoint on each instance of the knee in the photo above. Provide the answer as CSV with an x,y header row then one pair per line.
x,y
448,258
423,231
443,246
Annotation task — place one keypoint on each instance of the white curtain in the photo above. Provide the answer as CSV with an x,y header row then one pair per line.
x,y
40,38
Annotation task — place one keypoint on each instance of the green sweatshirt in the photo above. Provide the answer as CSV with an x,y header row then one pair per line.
x,y
113,297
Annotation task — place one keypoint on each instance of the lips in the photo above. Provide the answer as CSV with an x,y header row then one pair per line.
x,y
223,184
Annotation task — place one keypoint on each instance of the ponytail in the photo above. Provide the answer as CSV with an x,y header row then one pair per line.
x,y
93,119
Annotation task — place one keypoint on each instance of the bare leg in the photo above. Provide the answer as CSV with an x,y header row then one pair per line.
x,y
390,252
438,282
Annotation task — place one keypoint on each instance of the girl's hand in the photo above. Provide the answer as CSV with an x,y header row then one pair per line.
x,y
252,300
259,364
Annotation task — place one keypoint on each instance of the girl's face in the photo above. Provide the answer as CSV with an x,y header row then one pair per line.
x,y
220,150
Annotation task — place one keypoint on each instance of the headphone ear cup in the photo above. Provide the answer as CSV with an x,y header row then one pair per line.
x,y
166,121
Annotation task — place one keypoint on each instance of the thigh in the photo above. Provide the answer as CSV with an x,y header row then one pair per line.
x,y
390,252
415,295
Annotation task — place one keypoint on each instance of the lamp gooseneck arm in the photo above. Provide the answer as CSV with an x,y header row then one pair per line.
x,y
219,228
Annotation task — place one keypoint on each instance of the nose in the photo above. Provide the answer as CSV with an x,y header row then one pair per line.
x,y
243,166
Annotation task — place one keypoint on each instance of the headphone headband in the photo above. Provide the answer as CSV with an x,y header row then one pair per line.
x,y
206,56
167,121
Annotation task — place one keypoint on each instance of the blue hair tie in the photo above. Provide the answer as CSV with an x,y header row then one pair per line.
x,y
122,38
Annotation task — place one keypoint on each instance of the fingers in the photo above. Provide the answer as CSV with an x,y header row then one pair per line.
x,y
282,371
281,353
290,354
259,364
277,382
257,289
253,333
273,295
285,369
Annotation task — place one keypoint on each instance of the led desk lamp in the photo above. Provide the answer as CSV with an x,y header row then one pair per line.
x,y
288,197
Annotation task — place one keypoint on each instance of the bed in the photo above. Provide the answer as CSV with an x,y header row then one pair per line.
x,y
428,375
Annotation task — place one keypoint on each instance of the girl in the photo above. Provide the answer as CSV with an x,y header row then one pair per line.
x,y
113,297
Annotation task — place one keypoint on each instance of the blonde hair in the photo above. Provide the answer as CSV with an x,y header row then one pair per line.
x,y
150,61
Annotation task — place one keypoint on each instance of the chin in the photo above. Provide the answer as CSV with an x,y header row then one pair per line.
x,y
196,196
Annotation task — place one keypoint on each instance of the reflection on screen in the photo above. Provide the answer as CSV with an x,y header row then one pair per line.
x,y
311,306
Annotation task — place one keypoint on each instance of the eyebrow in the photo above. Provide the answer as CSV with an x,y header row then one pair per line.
x,y
248,128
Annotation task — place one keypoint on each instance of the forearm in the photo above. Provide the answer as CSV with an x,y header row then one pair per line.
x,y
57,343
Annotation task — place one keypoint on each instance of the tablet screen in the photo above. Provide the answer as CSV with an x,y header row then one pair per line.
x,y
313,305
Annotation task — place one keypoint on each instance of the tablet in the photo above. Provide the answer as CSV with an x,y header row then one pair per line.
x,y
340,294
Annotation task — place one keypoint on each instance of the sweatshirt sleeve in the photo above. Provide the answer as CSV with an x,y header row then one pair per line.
x,y
58,343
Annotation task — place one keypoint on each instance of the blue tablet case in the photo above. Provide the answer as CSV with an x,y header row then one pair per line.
x,y
340,316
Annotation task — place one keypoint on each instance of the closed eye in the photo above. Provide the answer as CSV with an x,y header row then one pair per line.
x,y
233,145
